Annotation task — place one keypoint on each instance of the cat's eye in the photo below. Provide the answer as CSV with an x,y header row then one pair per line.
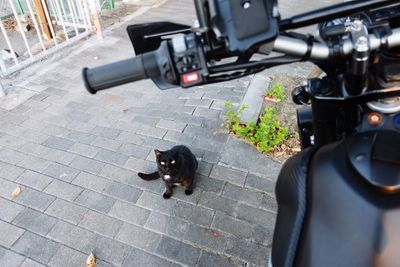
x,y
173,162
162,162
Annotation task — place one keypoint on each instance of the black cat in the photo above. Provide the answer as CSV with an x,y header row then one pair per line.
x,y
176,166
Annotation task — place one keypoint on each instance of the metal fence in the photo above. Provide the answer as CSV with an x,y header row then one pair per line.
x,y
37,28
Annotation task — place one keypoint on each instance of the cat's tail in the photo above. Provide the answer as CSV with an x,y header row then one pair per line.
x,y
150,176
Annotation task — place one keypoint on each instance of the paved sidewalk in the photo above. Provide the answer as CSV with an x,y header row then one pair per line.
x,y
76,157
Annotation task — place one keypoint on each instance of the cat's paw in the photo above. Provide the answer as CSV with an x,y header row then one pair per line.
x,y
188,192
166,195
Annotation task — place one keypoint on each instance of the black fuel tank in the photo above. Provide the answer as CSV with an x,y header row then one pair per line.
x,y
352,217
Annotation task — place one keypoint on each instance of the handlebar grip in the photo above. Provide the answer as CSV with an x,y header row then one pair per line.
x,y
113,74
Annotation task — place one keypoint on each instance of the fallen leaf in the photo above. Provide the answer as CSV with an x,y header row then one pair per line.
x,y
125,110
16,191
91,260
268,98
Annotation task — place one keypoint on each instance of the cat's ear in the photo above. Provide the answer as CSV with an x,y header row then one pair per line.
x,y
158,152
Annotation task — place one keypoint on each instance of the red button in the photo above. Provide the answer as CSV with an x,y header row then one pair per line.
x,y
191,77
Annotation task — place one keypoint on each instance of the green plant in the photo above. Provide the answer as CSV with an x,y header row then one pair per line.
x,y
276,91
265,135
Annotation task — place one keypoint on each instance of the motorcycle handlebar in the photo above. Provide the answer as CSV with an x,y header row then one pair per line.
x,y
319,51
133,69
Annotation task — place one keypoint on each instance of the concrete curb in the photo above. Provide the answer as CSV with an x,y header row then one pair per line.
x,y
254,97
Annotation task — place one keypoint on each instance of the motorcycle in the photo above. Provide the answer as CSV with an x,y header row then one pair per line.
x,y
339,198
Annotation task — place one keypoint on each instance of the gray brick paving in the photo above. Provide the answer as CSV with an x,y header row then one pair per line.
x,y
34,199
67,211
208,259
10,258
61,172
34,180
30,263
129,213
36,247
84,150
9,210
67,255
10,172
95,201
87,164
138,237
63,190
9,234
111,157
34,221
58,143
178,251
101,224
206,238
228,174
138,258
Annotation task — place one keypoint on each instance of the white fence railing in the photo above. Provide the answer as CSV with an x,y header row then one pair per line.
x,y
37,28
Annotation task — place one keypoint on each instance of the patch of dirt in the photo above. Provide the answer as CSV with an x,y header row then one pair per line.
x,y
286,114
121,10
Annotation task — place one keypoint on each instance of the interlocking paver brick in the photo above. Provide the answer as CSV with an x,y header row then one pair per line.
x,y
87,164
72,236
106,143
34,163
35,180
36,247
247,250
171,125
204,103
95,201
205,237
253,198
11,156
90,181
135,151
122,191
178,251
136,257
58,143
229,224
34,199
156,202
63,190
106,132
61,172
34,221
30,263
9,234
138,237
67,211
215,202
59,156
208,259
157,222
10,258
129,213
111,157
195,214
10,172
84,150
66,255
260,183
228,174
101,224
9,210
